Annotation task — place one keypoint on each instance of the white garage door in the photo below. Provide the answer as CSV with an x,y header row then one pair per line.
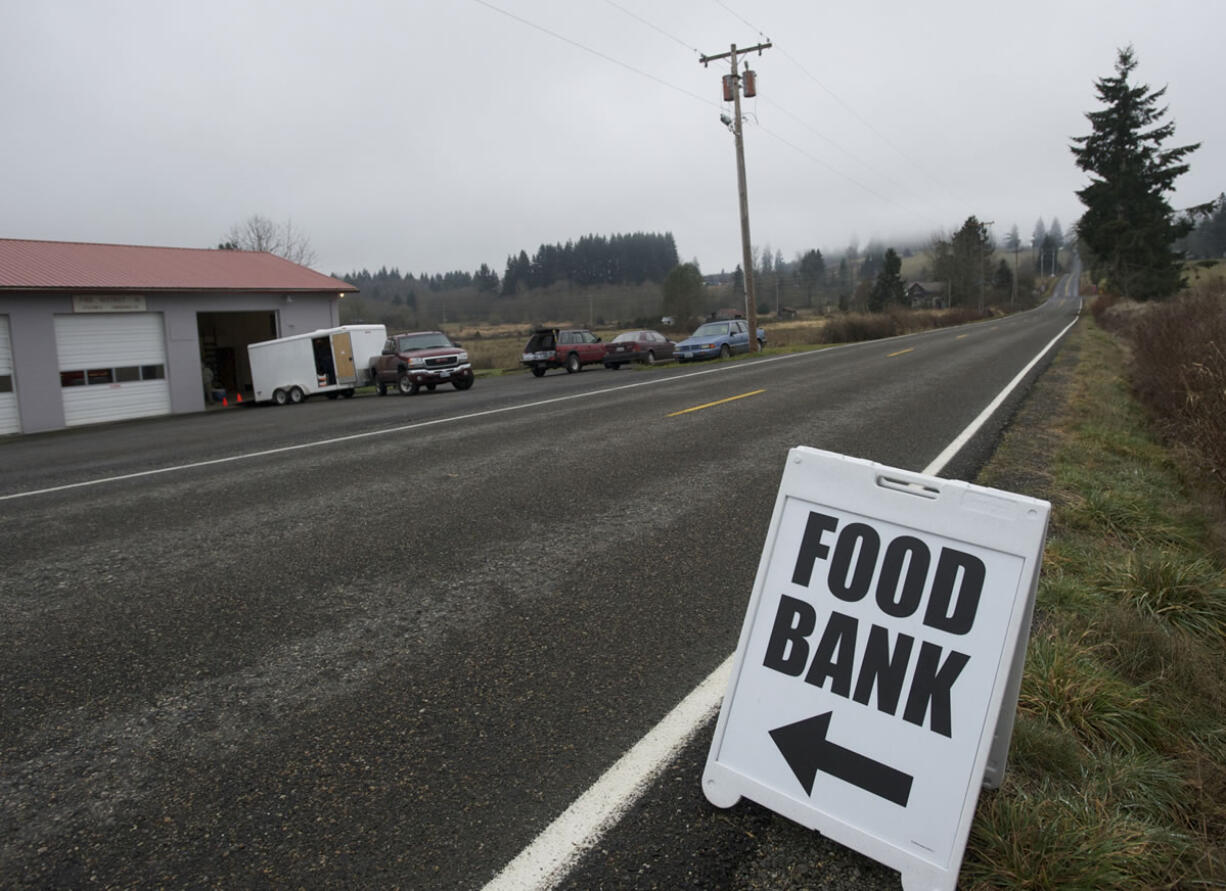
x,y
10,420
112,366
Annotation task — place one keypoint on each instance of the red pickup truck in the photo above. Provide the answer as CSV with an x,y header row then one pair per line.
x,y
420,358
570,349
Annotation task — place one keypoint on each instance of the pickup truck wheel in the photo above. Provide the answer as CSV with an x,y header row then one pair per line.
x,y
381,388
572,363
279,397
538,371
296,395
406,385
725,351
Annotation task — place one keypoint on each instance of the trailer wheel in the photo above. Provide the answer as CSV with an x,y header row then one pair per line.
x,y
347,394
296,395
462,383
279,397
538,370
333,395
406,385
431,387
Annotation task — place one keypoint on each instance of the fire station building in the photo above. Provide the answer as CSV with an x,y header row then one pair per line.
x,y
102,332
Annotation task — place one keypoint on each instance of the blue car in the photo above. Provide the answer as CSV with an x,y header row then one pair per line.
x,y
719,340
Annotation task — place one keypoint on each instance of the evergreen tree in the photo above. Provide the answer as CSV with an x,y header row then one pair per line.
x,y
811,273
1036,243
682,293
1129,227
887,288
1013,241
1208,239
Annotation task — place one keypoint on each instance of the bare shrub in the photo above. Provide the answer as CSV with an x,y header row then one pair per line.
x,y
1179,371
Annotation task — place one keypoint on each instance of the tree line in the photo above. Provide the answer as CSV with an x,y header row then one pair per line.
x,y
594,259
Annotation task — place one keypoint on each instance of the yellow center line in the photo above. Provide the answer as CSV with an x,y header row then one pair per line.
x,y
686,411
900,352
960,336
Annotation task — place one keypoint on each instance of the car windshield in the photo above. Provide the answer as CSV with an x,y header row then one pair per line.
x,y
712,329
428,341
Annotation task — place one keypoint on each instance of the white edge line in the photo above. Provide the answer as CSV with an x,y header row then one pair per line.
x,y
546,861
973,427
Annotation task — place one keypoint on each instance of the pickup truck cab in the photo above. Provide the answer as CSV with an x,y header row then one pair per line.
x,y
717,340
420,358
570,349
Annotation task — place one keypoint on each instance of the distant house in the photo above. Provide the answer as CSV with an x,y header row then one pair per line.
x,y
786,312
928,295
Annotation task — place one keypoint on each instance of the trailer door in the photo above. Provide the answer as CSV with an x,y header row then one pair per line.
x,y
342,352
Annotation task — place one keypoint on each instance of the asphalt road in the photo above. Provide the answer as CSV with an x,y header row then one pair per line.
x,y
385,641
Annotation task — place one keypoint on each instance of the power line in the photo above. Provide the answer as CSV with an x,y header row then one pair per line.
x,y
654,27
695,96
849,108
597,53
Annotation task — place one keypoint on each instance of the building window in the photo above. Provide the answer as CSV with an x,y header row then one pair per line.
x,y
123,375
6,383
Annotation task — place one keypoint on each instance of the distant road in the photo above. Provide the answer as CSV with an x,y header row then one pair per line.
x,y
387,641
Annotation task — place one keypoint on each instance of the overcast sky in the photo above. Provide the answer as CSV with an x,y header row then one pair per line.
x,y
433,136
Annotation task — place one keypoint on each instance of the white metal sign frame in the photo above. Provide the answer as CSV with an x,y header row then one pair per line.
x,y
874,685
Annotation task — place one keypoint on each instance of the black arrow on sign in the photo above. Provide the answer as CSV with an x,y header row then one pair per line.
x,y
806,750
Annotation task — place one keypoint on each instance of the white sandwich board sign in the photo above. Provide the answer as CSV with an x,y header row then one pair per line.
x,y
876,678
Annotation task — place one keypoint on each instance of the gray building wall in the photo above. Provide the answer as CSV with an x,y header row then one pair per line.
x,y
36,377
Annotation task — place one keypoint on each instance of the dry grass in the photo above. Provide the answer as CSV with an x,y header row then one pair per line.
x,y
1179,367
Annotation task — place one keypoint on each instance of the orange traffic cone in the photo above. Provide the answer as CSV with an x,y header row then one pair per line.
x,y
225,401
240,397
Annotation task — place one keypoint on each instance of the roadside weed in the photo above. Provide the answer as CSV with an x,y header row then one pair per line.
x,y
1117,769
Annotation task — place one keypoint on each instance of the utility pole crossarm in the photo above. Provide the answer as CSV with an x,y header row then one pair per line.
x,y
734,51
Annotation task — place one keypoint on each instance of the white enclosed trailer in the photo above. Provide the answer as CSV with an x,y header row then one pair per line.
x,y
334,361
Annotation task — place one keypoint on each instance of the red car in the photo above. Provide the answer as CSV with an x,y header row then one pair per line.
x,y
638,346
570,349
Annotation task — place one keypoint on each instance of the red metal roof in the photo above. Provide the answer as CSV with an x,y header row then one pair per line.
x,y
65,265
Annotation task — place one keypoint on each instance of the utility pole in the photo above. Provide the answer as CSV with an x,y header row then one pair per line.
x,y
733,84
983,276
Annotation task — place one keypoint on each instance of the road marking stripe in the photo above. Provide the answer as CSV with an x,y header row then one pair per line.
x,y
960,336
900,352
545,862
971,429
686,411
723,368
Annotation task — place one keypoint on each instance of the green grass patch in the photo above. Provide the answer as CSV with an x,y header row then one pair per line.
x,y
1117,771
